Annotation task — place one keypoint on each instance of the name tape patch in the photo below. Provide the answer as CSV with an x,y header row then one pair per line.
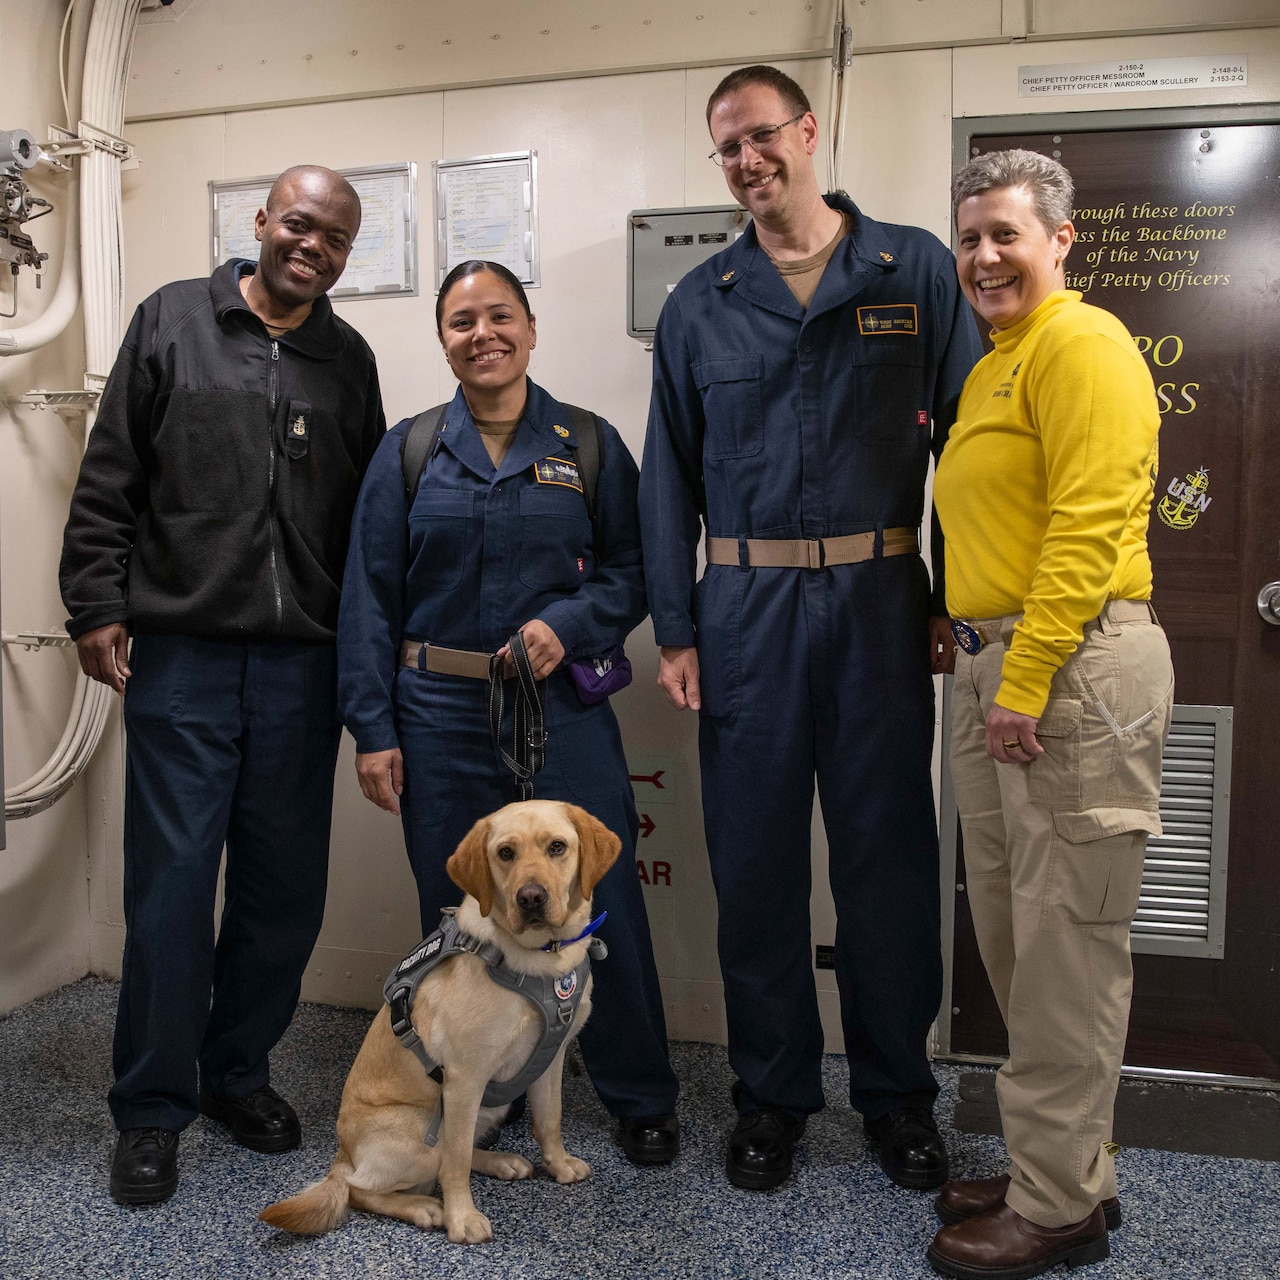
x,y
559,471
896,317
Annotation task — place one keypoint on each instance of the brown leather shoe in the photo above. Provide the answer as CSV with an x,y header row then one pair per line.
x,y
1003,1245
967,1197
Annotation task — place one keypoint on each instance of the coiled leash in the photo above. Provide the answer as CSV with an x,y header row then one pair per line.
x,y
529,724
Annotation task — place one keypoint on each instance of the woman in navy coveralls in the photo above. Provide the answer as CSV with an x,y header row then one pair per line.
x,y
493,544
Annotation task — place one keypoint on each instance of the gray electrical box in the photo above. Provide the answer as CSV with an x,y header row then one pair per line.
x,y
665,244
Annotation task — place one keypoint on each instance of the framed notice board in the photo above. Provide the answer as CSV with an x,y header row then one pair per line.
x,y
384,258
487,207
1177,215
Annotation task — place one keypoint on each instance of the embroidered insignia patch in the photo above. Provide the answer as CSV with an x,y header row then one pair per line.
x,y
899,317
560,431
1185,500
922,417
566,986
558,471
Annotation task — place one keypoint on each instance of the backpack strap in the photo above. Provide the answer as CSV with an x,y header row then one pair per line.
x,y
417,447
586,426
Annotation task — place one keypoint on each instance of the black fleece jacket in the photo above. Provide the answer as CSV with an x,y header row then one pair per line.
x,y
216,492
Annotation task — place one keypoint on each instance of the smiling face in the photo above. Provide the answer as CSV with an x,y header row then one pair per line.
x,y
306,232
779,184
487,337
1007,260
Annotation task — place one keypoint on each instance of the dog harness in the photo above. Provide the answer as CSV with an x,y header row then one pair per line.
x,y
557,999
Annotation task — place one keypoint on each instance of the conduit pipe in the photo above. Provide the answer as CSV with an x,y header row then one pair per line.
x,y
838,104
106,70
50,323
66,297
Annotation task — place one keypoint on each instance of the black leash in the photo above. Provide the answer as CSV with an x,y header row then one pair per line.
x,y
529,725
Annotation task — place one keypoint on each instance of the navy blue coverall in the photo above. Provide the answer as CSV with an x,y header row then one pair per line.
x,y
770,421
482,552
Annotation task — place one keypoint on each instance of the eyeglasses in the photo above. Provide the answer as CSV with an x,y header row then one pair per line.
x,y
759,141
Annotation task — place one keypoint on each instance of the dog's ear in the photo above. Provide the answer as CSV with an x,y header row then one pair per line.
x,y
598,848
468,868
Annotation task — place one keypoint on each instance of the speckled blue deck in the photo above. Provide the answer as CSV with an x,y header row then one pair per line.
x,y
1185,1216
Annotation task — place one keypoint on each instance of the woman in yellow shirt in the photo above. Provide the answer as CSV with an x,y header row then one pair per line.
x,y
1061,705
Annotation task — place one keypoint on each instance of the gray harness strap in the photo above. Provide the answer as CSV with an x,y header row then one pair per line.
x,y
557,999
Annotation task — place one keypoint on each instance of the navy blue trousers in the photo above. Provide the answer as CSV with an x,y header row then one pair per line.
x,y
822,675
453,777
227,742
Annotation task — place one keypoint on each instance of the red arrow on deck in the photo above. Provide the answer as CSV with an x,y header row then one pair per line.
x,y
646,826
649,777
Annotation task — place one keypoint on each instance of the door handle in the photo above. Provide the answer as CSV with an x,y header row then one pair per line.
x,y
1269,603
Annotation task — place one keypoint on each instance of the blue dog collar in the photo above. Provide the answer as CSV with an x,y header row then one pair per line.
x,y
556,943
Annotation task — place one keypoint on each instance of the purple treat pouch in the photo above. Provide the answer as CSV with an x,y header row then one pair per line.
x,y
596,678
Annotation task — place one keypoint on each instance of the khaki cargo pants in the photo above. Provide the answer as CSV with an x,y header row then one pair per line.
x,y
1053,852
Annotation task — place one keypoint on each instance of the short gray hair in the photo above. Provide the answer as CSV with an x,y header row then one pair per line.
x,y
1052,191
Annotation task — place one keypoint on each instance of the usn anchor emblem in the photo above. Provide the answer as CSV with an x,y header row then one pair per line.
x,y
1181,506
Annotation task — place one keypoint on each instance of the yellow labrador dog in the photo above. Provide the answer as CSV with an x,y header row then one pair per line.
x,y
528,872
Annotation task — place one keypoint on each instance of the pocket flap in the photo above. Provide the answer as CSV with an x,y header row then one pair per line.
x,y
1060,718
553,500
727,369
1094,824
432,501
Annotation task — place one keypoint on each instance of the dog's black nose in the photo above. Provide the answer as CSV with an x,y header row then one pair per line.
x,y
532,898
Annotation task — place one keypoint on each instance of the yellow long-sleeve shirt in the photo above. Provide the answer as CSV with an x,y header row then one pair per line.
x,y
1044,488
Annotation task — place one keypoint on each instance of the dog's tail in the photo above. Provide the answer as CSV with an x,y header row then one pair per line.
x,y
320,1208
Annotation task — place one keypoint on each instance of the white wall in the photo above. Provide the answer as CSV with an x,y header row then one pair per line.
x,y
607,144
44,891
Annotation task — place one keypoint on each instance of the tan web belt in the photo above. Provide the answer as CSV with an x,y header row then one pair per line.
x,y
448,662
973,634
811,553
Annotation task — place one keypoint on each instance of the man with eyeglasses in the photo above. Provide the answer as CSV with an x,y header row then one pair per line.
x,y
801,378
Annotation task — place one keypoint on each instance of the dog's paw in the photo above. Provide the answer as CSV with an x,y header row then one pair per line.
x,y
425,1211
501,1164
569,1169
470,1227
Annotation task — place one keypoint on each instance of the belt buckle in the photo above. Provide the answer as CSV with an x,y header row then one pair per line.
x,y
401,1022
817,550
966,637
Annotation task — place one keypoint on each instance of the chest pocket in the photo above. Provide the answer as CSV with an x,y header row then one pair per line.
x,y
889,393
555,536
439,534
732,404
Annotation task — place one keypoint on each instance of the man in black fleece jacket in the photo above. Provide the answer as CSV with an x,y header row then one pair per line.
x,y
210,523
